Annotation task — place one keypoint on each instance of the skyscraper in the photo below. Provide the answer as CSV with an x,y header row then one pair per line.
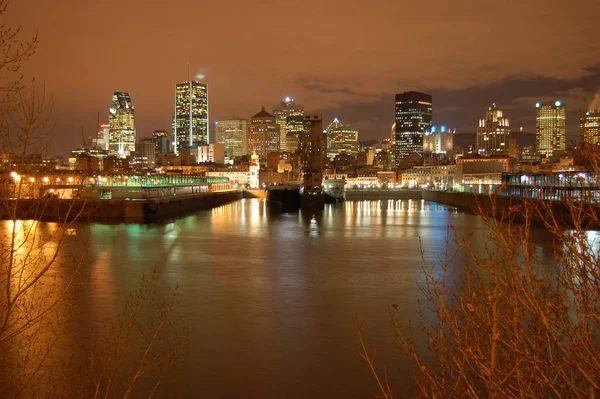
x,y
263,134
290,118
234,135
190,120
121,121
340,138
550,128
414,113
493,133
590,127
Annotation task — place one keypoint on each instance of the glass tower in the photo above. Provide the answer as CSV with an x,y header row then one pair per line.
x,y
413,118
550,128
121,121
340,139
290,118
190,120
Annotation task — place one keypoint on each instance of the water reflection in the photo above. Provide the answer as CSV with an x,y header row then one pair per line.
x,y
269,296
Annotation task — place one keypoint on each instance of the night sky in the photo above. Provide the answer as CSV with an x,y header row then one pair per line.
x,y
342,58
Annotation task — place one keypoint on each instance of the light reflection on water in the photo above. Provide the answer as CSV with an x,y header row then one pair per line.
x,y
269,300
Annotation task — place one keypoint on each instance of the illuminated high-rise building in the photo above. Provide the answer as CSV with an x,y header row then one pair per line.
x,y
340,139
121,121
493,133
263,134
550,128
290,118
233,134
438,140
589,124
190,119
414,113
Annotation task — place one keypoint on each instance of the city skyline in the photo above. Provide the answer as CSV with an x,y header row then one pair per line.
x,y
360,93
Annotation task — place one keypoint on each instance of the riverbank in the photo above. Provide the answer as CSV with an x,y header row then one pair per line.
x,y
115,210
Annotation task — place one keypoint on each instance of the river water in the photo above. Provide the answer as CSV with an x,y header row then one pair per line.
x,y
269,301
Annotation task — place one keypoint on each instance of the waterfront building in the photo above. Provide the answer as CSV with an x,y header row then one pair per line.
x,y
162,142
121,121
290,118
550,128
493,133
589,124
340,138
439,176
414,112
438,140
233,134
263,134
190,118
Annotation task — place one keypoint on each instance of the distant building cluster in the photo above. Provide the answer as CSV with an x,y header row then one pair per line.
x,y
279,145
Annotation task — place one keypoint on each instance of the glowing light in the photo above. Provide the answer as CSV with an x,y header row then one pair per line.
x,y
31,179
200,76
537,105
558,103
46,180
70,180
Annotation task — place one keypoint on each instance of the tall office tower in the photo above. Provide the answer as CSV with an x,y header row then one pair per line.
x,y
493,133
313,154
190,119
590,127
263,134
413,118
550,128
162,142
121,121
438,140
233,134
290,118
340,139
102,139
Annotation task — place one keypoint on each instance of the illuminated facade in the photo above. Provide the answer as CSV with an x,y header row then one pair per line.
x,y
290,118
550,128
414,113
438,140
233,134
121,121
190,120
590,127
263,134
102,139
340,138
493,133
